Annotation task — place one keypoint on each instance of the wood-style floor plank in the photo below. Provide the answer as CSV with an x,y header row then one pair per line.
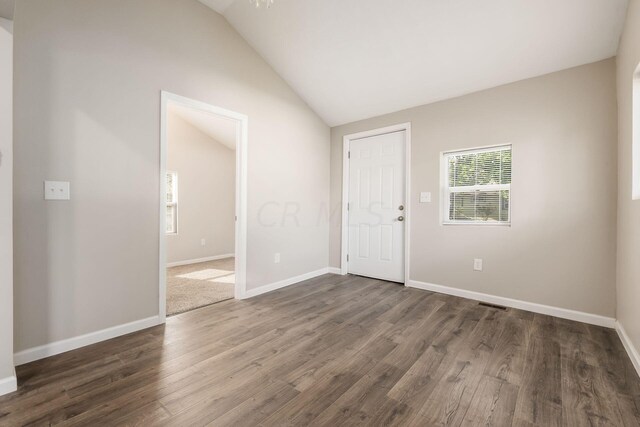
x,y
540,397
338,350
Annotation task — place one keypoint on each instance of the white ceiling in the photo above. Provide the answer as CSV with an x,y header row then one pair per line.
x,y
354,59
218,5
217,127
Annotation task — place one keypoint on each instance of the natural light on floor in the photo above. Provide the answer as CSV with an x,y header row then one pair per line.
x,y
226,279
207,274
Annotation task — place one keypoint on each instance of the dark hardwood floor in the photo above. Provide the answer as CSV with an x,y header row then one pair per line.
x,y
339,351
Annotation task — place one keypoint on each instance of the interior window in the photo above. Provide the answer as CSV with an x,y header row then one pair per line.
x,y
172,203
635,125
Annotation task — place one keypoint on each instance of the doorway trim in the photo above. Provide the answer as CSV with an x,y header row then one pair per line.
x,y
242,127
346,144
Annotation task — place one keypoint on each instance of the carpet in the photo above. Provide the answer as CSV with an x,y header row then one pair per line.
x,y
197,285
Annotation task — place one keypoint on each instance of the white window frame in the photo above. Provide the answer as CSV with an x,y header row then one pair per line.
x,y
174,203
446,191
635,135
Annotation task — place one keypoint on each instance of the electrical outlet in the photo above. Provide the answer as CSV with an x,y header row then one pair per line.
x,y
203,242
276,258
477,264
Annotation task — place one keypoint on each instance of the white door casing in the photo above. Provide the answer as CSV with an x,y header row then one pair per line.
x,y
376,206
242,126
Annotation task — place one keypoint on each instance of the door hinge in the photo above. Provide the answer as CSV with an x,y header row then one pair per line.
x,y
348,205
347,257
348,154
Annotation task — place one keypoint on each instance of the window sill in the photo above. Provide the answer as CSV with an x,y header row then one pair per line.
x,y
481,224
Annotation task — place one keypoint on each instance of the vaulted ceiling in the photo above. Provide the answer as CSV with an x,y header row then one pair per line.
x,y
354,59
218,128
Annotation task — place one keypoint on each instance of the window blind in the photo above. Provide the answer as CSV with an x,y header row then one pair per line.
x,y
478,186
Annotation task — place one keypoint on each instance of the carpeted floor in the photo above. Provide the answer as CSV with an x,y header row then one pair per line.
x,y
197,285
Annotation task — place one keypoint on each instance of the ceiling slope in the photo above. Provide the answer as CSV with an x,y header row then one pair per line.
x,y
220,129
354,59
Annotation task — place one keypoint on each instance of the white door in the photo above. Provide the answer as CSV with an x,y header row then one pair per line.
x,y
376,206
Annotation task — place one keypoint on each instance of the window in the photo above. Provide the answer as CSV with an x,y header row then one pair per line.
x,y
635,135
477,186
172,203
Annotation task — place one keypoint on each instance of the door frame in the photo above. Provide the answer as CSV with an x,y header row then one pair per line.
x,y
242,127
346,145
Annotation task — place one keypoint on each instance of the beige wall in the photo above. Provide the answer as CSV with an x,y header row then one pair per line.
x,y
6,200
560,249
206,193
87,110
6,9
628,284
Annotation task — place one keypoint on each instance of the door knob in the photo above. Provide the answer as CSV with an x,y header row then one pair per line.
x,y
400,218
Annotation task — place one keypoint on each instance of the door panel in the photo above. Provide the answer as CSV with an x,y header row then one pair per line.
x,y
376,192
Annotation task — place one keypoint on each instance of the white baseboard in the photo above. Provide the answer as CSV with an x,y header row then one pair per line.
x,y
197,260
628,345
283,283
9,384
564,313
40,352
335,270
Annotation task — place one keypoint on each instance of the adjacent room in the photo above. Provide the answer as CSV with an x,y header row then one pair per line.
x,y
200,193
320,213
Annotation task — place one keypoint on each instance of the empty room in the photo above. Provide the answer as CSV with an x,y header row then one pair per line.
x,y
200,193
319,212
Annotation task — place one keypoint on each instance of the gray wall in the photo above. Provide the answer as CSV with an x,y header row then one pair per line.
x,y
206,192
87,110
6,200
560,249
6,9
628,284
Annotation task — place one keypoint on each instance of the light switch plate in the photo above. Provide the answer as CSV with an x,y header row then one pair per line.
x,y
425,197
57,190
477,264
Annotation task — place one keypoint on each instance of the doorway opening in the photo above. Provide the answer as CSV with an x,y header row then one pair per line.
x,y
202,204
376,203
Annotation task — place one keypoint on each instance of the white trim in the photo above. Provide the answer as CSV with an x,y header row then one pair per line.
x,y
198,260
9,384
479,223
564,313
472,188
335,270
284,283
628,345
483,149
635,134
344,230
242,129
407,200
62,346
346,141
